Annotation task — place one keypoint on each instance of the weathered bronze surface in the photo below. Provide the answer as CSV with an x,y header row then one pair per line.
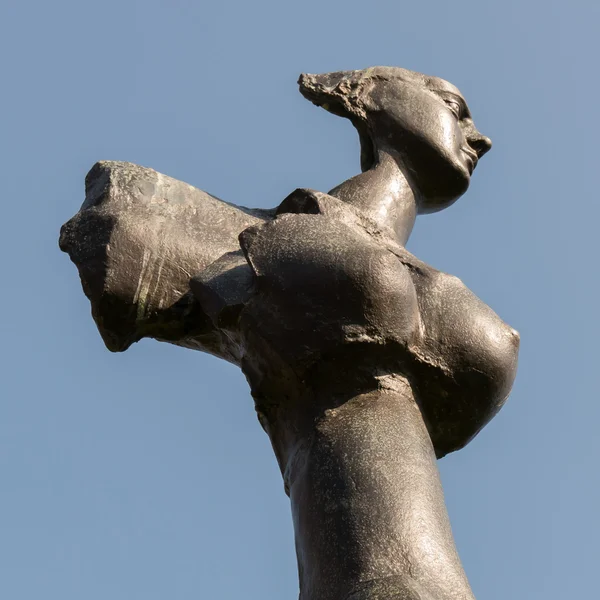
x,y
364,362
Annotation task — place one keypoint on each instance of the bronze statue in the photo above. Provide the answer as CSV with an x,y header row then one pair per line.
x,y
364,362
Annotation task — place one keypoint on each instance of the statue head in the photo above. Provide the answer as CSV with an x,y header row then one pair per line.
x,y
423,121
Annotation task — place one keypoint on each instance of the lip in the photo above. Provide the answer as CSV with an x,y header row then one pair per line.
x,y
472,156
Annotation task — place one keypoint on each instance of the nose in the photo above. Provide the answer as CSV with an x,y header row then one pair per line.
x,y
479,142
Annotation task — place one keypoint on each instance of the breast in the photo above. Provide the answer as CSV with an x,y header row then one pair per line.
x,y
326,287
464,363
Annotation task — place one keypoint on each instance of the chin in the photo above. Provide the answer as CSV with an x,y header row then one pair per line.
x,y
444,188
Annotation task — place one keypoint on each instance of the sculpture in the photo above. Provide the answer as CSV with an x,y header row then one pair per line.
x,y
364,362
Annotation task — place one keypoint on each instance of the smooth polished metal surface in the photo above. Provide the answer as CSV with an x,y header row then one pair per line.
x,y
365,363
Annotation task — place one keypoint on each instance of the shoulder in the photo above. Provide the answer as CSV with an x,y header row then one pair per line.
x,y
319,257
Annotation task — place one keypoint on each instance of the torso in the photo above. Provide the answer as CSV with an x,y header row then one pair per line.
x,y
346,291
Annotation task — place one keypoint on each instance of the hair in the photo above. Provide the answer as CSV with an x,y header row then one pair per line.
x,y
345,93
341,93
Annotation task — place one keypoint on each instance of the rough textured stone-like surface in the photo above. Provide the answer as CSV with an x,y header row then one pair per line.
x,y
137,240
365,363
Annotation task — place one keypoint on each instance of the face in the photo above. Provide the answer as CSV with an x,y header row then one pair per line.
x,y
426,122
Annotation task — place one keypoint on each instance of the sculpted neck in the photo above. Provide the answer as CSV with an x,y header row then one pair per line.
x,y
384,194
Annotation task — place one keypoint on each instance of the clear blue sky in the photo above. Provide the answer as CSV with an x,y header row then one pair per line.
x,y
145,475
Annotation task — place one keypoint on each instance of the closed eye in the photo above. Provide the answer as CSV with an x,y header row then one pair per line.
x,y
454,106
455,103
